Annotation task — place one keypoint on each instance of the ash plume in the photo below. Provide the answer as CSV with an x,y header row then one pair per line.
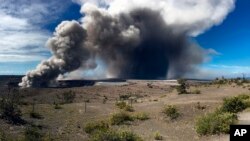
x,y
68,54
137,44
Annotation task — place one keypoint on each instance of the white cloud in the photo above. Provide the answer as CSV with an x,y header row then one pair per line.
x,y
191,16
22,38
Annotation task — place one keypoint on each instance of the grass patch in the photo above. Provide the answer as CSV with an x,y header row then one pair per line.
x,y
112,135
101,131
171,111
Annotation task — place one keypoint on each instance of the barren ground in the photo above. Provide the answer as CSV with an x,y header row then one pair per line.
x,y
68,123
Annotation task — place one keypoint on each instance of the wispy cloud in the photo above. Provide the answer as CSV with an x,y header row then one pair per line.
x,y
21,32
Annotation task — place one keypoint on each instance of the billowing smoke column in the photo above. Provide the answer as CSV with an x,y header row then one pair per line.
x,y
68,54
132,38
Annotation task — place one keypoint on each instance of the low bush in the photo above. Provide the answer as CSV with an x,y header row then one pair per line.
x,y
120,118
196,91
57,106
112,135
35,115
96,126
158,136
9,110
33,133
129,108
215,123
243,97
125,96
171,111
123,105
233,104
141,116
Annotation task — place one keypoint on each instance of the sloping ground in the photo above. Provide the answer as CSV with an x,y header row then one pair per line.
x,y
68,123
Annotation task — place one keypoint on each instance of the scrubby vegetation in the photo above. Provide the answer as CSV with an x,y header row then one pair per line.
x,y
222,118
171,111
182,88
234,104
57,106
238,81
215,123
121,104
124,106
141,116
113,135
68,97
120,118
9,108
33,133
96,126
158,136
34,114
101,131
196,91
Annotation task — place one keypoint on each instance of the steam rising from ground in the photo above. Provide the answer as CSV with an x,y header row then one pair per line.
x,y
134,39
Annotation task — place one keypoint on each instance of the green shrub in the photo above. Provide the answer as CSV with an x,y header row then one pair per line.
x,y
57,106
215,123
129,108
112,135
196,91
199,106
158,136
243,97
121,104
35,115
233,105
120,118
247,102
125,96
69,97
171,111
33,133
96,126
141,116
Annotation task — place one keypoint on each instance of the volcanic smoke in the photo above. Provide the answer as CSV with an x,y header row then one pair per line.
x,y
139,39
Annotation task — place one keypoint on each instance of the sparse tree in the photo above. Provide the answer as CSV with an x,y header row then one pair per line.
x,y
182,88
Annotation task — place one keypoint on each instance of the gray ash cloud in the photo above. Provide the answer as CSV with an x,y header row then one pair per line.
x,y
136,44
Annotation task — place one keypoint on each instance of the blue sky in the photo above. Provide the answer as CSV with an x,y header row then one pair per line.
x,y
26,25
232,40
